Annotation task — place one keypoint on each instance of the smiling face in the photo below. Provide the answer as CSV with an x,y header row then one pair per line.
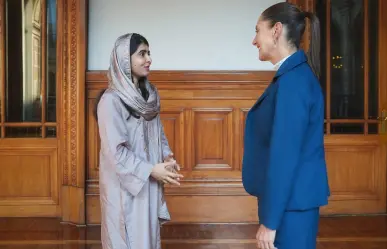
x,y
141,61
264,40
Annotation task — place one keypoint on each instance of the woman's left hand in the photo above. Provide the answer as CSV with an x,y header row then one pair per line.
x,y
265,238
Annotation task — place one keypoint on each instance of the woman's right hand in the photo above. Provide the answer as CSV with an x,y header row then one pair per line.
x,y
161,173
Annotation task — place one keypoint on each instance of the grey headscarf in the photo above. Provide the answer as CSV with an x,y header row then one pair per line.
x,y
120,80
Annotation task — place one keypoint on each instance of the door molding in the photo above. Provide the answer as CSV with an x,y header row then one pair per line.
x,y
72,30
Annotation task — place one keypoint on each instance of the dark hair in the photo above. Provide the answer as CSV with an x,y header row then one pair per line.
x,y
294,20
135,41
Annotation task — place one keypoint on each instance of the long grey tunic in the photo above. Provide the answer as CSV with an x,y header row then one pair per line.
x,y
132,203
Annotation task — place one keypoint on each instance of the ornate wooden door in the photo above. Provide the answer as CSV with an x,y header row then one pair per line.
x,y
354,78
42,70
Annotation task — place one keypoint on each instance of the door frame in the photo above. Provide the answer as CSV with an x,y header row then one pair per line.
x,y
72,30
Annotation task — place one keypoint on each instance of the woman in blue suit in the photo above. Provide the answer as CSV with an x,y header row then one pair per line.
x,y
284,160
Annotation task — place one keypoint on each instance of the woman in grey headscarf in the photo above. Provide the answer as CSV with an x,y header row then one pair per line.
x,y
135,158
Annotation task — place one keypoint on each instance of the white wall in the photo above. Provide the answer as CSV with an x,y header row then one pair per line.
x,y
183,34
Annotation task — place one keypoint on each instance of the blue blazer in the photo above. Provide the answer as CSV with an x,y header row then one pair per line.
x,y
284,158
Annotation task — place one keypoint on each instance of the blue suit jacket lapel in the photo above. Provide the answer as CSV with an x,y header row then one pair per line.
x,y
264,95
293,61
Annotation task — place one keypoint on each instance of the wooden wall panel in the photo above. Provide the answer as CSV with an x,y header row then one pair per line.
x,y
173,122
29,179
357,174
204,115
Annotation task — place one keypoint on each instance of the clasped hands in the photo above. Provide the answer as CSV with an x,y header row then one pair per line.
x,y
166,172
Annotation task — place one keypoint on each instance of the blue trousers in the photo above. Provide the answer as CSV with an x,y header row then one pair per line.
x,y
298,230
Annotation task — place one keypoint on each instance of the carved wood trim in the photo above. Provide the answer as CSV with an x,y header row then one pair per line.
x,y
65,88
73,75
72,97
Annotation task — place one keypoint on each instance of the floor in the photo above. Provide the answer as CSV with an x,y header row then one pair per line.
x,y
351,232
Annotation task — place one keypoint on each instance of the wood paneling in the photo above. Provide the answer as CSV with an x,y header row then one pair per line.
x,y
357,174
29,179
204,115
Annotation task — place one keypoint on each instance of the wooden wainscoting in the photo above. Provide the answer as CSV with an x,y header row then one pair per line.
x,y
203,115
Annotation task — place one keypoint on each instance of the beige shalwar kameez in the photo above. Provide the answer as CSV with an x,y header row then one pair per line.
x,y
132,203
